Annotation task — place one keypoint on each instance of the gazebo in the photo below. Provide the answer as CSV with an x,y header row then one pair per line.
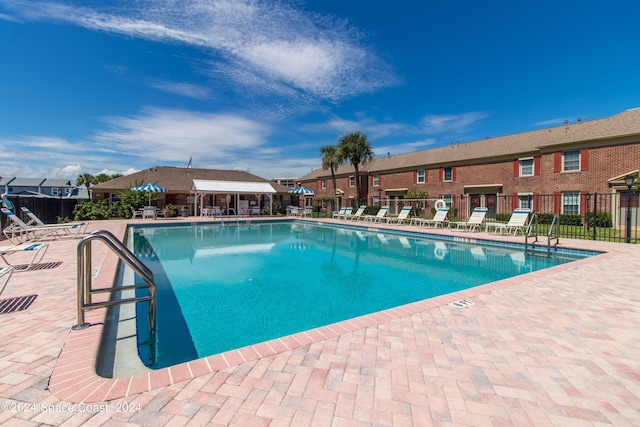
x,y
201,187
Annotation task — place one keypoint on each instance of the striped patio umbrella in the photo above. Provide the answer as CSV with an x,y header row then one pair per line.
x,y
301,191
149,188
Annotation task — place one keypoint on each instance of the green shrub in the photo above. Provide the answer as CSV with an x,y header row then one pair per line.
x,y
170,211
371,210
277,208
90,210
503,217
565,219
598,219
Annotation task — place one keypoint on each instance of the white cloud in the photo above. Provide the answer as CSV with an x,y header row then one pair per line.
x,y
402,148
6,17
180,88
158,135
264,39
372,128
442,123
551,122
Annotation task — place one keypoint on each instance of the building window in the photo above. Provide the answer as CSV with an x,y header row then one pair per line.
x,y
55,192
448,199
525,201
324,184
375,180
571,203
571,160
447,174
420,176
352,181
526,167
376,201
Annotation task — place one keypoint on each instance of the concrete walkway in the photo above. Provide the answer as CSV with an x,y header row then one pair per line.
x,y
557,347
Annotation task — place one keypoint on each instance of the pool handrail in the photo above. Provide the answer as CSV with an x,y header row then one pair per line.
x,y
552,235
85,290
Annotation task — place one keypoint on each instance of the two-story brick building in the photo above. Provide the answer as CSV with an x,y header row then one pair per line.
x,y
562,163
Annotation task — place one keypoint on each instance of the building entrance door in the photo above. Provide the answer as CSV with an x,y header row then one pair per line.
x,y
490,203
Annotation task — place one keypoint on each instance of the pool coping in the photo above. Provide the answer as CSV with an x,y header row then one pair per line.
x,y
74,377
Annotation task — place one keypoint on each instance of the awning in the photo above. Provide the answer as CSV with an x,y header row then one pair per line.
x,y
483,189
202,187
396,191
235,187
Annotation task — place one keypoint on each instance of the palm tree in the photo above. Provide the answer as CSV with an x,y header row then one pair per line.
x,y
85,179
331,160
355,147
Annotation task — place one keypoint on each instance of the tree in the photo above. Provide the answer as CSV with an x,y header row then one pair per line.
x,y
103,177
331,160
355,148
85,179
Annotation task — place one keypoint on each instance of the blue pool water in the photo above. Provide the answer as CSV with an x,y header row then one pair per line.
x,y
221,288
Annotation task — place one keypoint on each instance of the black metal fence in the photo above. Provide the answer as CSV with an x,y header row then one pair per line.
x,y
611,217
48,209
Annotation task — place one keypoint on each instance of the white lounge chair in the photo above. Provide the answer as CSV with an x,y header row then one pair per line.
x,y
474,222
402,216
37,249
439,219
377,217
307,212
357,215
5,272
345,213
35,221
339,213
516,224
19,230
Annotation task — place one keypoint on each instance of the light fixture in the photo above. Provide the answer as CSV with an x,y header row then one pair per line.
x,y
628,181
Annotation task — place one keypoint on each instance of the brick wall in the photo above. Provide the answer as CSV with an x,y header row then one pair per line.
x,y
598,165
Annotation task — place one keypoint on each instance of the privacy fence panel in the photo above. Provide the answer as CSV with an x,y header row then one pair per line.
x,y
48,209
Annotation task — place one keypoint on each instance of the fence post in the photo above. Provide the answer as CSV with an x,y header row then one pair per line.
x,y
595,214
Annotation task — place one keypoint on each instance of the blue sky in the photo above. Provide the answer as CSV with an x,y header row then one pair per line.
x,y
123,85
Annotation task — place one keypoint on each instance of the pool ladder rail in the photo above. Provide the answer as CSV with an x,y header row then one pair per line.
x,y
553,235
86,291
229,210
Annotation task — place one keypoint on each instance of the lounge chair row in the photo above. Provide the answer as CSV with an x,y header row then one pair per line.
x,y
516,223
347,214
18,230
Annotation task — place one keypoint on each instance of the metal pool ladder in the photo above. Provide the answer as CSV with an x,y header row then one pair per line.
x,y
86,290
552,235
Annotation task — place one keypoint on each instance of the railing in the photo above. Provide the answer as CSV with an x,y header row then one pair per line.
x,y
555,225
229,210
613,217
85,289
531,231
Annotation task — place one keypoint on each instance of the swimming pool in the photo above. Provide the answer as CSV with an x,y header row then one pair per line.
x,y
225,287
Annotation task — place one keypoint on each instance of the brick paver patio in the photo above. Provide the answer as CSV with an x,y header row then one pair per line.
x,y
557,347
